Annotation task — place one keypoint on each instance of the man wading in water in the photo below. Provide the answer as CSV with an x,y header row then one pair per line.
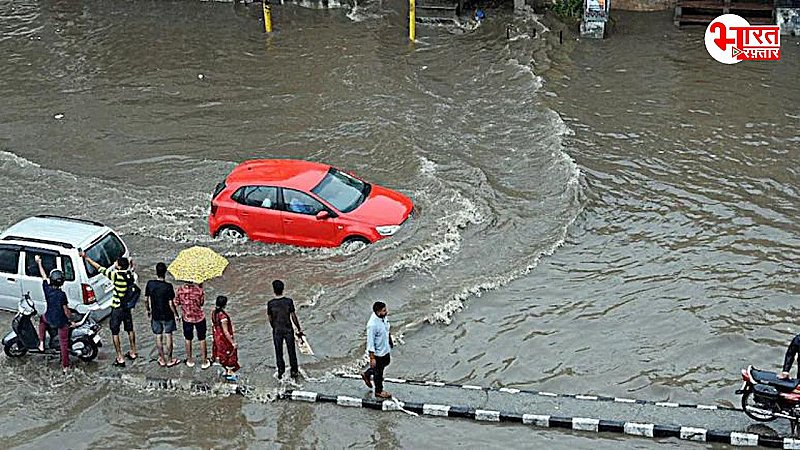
x,y
379,345
280,313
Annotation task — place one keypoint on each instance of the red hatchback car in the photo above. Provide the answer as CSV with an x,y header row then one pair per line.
x,y
304,203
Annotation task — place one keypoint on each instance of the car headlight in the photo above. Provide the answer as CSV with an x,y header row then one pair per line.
x,y
387,230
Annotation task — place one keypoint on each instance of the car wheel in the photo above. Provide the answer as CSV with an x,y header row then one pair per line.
x,y
355,243
14,348
85,349
232,233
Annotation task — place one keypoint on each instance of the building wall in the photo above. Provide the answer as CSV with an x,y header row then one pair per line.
x,y
642,5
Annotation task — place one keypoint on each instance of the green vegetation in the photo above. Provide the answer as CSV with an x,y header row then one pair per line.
x,y
568,9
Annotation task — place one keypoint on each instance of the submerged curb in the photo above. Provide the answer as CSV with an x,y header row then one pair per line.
x,y
181,384
650,430
597,398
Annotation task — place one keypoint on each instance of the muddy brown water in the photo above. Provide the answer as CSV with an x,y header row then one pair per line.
x,y
615,217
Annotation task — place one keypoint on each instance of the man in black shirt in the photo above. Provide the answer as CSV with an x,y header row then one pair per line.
x,y
280,313
162,313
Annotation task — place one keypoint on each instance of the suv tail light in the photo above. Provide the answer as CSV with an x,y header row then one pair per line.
x,y
213,209
88,294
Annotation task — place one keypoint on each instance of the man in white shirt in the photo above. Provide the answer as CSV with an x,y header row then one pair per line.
x,y
379,346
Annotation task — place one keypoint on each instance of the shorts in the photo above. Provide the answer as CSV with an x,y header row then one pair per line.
x,y
120,316
163,326
188,330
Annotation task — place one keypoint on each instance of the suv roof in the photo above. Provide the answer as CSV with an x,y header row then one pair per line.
x,y
54,230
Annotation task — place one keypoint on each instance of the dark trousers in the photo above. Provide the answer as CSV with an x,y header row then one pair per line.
x,y
377,372
63,340
278,339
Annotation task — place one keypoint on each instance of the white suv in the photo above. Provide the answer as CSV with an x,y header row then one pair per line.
x,y
58,240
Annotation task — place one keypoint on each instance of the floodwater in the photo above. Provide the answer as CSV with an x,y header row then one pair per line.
x,y
614,217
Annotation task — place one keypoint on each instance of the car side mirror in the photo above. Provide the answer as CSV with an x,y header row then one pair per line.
x,y
322,215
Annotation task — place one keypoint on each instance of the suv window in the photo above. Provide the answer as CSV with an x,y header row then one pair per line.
x,y
257,196
9,260
66,266
105,252
299,202
48,262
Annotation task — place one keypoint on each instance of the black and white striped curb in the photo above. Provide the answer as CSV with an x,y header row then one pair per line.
x,y
571,423
597,398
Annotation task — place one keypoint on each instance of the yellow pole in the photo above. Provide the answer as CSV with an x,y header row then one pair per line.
x,y
412,20
267,17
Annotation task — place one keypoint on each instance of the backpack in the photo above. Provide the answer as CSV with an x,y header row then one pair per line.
x,y
132,293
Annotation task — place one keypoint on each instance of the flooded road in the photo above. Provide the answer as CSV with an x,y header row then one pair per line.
x,y
599,217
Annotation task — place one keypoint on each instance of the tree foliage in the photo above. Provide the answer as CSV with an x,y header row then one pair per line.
x,y
568,9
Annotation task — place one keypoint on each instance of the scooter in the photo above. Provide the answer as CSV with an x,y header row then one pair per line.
x,y
765,397
84,340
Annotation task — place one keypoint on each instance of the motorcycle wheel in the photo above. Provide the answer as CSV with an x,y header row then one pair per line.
x,y
87,351
15,349
747,404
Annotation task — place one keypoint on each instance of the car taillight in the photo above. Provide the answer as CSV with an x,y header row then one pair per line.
x,y
88,294
213,209
745,375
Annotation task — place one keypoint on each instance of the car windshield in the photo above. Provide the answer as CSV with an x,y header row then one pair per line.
x,y
342,191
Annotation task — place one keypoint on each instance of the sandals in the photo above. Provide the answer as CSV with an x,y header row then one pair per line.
x,y
173,363
130,356
119,363
206,364
233,378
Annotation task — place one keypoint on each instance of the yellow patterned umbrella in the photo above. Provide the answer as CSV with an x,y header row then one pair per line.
x,y
197,264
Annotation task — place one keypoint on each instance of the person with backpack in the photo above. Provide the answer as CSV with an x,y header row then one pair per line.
x,y
126,294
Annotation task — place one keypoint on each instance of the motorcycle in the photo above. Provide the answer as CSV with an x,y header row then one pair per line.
x,y
765,397
84,340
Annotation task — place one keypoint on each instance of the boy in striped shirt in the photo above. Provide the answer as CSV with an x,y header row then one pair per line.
x,y
120,315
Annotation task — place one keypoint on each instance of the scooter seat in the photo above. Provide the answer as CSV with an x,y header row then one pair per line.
x,y
771,379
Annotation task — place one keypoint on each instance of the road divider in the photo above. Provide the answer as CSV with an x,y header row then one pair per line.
x,y
587,424
596,398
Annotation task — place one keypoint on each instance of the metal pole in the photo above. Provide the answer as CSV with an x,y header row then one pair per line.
x,y
267,17
412,20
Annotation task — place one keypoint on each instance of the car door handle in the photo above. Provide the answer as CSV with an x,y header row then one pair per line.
x,y
11,280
